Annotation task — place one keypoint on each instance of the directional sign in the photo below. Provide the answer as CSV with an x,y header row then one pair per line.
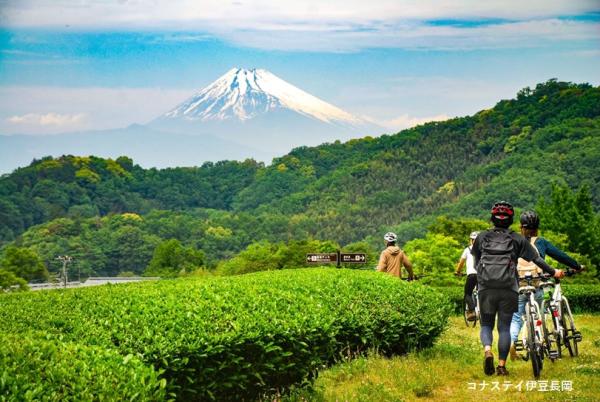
x,y
321,258
357,258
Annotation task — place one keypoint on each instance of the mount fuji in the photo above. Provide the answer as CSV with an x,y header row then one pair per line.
x,y
255,108
243,114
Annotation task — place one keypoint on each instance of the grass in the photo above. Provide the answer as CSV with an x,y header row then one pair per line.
x,y
449,370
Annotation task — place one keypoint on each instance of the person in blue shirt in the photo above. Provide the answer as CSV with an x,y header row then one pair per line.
x,y
530,223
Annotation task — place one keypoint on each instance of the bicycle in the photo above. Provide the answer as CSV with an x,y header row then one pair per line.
x,y
557,311
473,323
475,297
533,337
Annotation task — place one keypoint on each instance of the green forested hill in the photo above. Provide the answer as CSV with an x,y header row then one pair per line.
x,y
344,192
513,151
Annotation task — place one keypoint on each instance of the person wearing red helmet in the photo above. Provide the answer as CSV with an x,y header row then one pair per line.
x,y
496,252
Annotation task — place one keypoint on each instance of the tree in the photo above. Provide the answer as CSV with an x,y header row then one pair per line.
x,y
171,259
9,281
259,256
434,257
459,228
572,214
23,263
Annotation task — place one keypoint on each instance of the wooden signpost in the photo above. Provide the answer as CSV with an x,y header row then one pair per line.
x,y
338,258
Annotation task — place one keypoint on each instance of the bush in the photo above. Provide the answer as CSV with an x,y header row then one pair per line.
x,y
11,282
582,298
55,371
237,338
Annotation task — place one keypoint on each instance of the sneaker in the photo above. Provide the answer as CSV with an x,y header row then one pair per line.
x,y
471,315
513,352
488,364
501,370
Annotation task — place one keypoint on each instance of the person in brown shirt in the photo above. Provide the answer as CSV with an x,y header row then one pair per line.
x,y
392,259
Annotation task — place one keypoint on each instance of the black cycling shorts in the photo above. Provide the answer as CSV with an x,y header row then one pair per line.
x,y
492,301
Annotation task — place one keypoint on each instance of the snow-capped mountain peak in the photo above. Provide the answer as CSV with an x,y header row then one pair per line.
x,y
243,94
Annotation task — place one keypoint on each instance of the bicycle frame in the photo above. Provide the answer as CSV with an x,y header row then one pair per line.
x,y
533,333
561,310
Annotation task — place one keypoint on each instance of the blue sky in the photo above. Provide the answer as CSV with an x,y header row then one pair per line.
x,y
91,64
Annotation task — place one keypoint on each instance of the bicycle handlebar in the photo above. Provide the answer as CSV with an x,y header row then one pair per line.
x,y
416,277
546,277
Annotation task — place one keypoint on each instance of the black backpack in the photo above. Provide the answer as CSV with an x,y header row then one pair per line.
x,y
496,268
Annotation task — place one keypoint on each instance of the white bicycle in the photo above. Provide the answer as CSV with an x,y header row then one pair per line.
x,y
533,337
558,319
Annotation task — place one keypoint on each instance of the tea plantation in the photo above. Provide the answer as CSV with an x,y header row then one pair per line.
x,y
233,338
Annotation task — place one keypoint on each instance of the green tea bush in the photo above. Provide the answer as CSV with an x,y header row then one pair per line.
x,y
41,370
236,338
582,298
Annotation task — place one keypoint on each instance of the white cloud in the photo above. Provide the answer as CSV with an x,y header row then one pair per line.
x,y
335,25
251,14
48,119
413,35
84,108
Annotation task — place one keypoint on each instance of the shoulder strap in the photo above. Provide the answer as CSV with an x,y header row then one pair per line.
x,y
532,241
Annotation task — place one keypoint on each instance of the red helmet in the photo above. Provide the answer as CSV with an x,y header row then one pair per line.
x,y
502,214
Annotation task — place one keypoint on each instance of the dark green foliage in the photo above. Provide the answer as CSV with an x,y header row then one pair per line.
x,y
458,228
23,263
435,258
171,259
239,337
572,213
266,256
582,298
9,281
35,369
86,186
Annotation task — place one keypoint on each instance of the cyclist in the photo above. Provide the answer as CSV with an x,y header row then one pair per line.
x,y
496,252
471,282
530,222
392,259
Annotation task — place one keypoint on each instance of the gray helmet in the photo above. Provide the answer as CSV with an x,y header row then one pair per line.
x,y
473,235
390,237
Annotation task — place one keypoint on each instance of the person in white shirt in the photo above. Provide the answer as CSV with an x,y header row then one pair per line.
x,y
471,282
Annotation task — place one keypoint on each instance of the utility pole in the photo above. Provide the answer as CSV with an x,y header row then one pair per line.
x,y
66,259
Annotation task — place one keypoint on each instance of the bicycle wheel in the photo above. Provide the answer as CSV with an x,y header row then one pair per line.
x,y
468,323
559,330
570,339
550,339
533,349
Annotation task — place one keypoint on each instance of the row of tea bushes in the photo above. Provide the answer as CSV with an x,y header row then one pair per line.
x,y
41,370
582,298
237,338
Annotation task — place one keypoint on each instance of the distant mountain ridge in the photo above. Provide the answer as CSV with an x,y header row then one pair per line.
x,y
256,109
245,94
243,114
343,191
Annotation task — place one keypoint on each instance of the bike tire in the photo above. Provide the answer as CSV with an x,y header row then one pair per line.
x,y
550,338
560,331
469,324
532,345
569,331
